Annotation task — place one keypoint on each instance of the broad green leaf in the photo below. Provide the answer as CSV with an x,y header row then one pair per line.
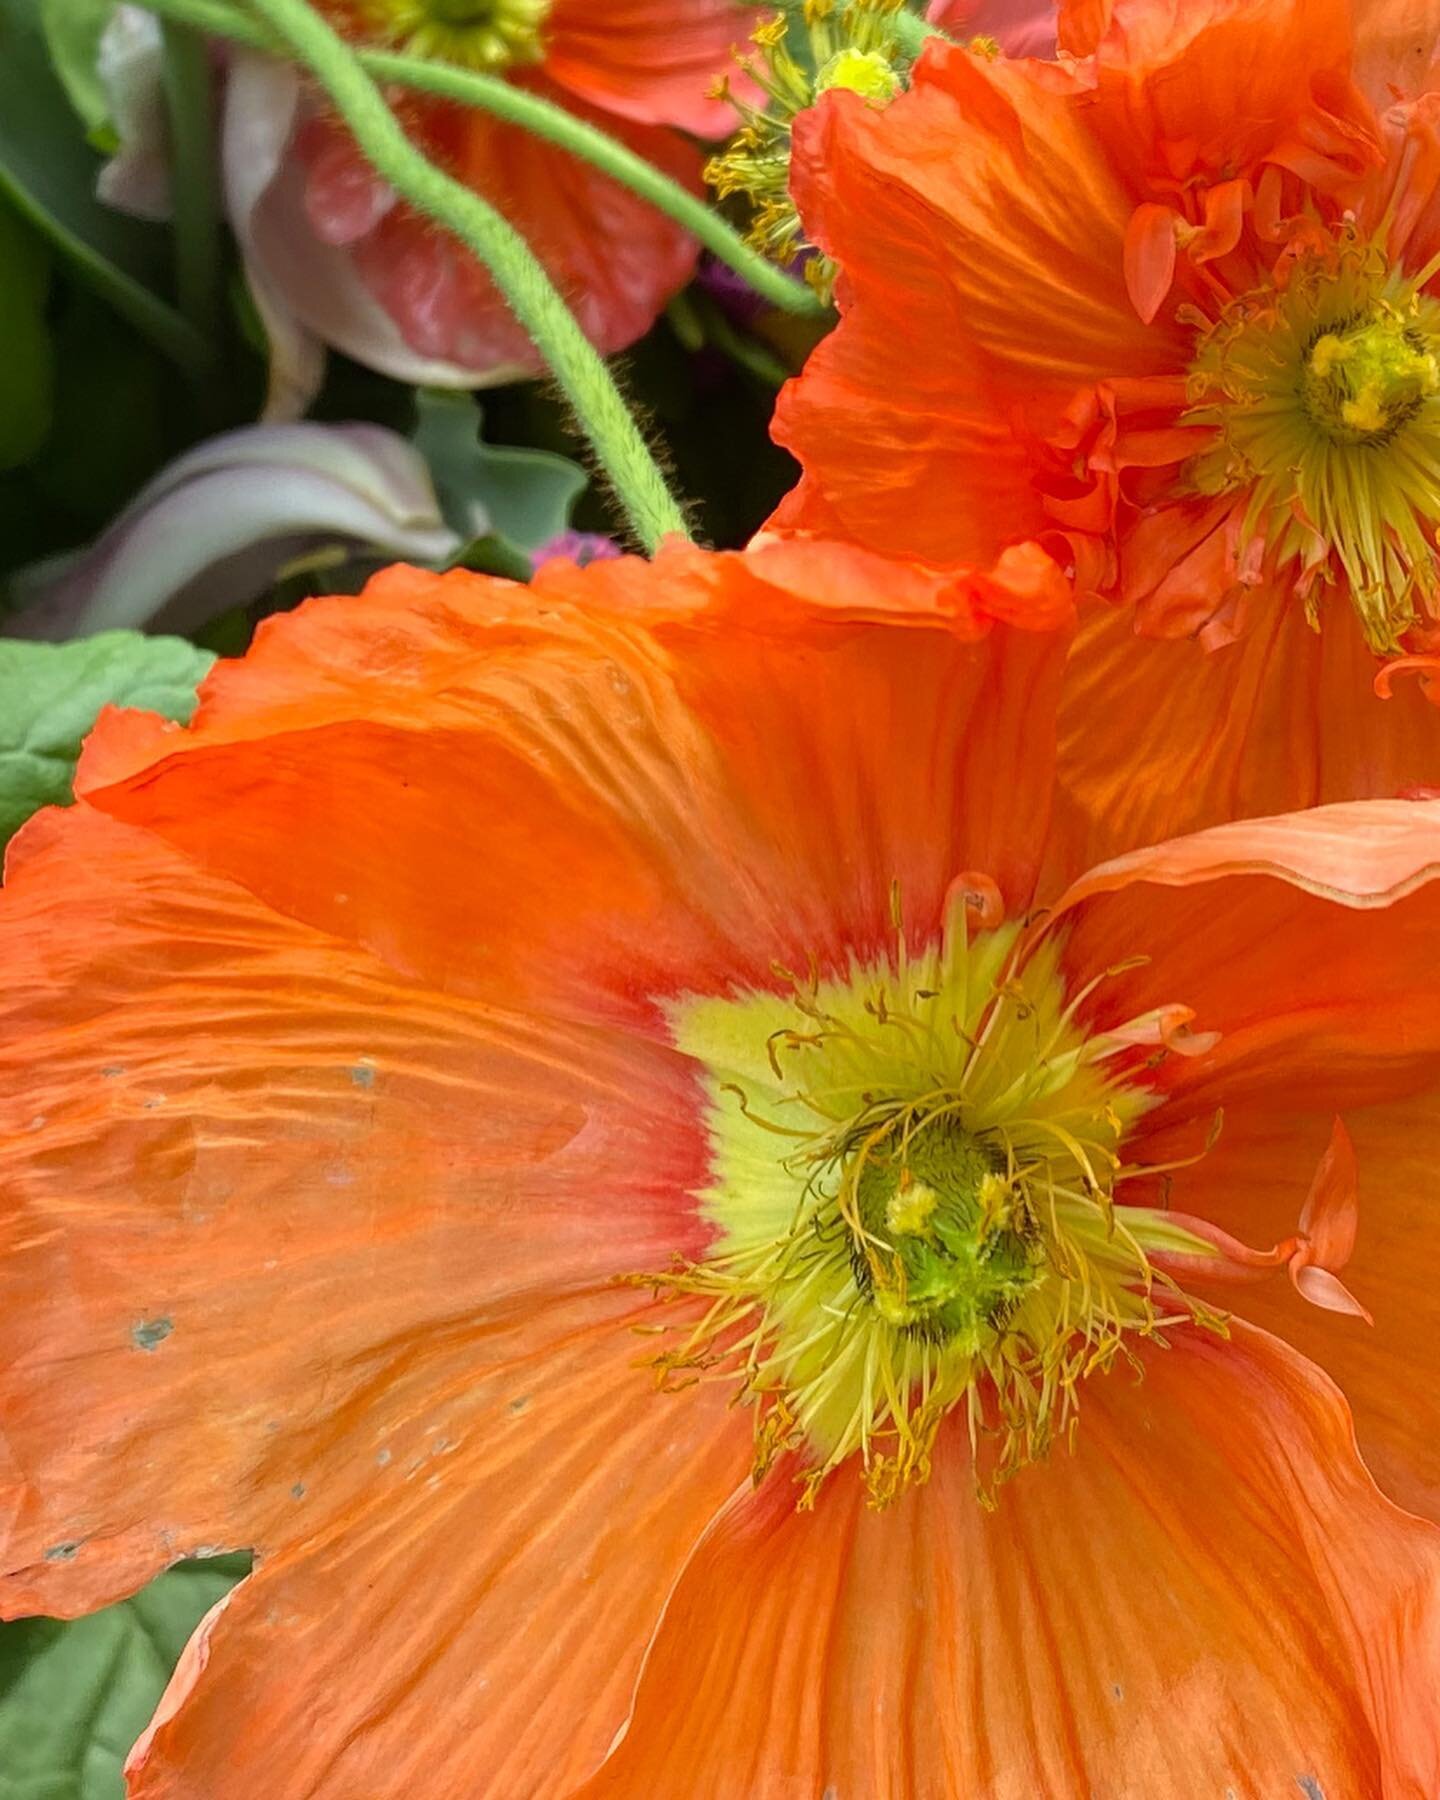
x,y
523,497
75,1695
48,172
50,696
73,29
27,367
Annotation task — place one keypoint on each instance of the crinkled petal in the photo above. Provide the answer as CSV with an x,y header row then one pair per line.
x,y
1307,942
980,236
1251,1183
1208,1596
266,1200
486,1607
1157,739
1211,89
496,790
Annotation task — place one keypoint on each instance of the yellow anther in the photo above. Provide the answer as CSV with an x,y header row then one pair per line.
x,y
908,1213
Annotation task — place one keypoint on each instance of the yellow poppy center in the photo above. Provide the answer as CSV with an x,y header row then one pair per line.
x,y
1324,398
479,34
1367,378
915,1169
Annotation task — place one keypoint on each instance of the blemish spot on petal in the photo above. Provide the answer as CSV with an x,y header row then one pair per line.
x,y
518,1406
298,1491
149,1334
382,1458
114,1072
62,1552
362,1074
1310,1787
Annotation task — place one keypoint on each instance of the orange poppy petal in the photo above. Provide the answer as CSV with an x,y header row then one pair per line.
x,y
975,202
486,1612
1211,88
498,793
1209,1595
265,1198
1281,719
1251,1183
650,60
1306,942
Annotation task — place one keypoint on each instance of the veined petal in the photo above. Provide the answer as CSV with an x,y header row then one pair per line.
x,y
649,60
977,204
690,778
266,1200
1305,941
1208,1594
1208,89
1282,719
1250,1183
485,1609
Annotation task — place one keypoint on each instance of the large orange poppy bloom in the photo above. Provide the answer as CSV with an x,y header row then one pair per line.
x,y
643,69
1170,308
500,997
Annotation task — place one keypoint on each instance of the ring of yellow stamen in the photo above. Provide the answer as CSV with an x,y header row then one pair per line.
x,y
849,44
914,1202
1324,397
478,34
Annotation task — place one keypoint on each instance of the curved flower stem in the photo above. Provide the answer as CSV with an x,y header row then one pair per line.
x,y
619,446
543,119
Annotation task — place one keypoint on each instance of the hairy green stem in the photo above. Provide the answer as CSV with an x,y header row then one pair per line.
x,y
543,119
913,32
619,446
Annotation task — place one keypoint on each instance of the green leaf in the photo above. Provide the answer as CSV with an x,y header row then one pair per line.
x,y
48,173
50,695
75,1695
522,497
27,367
73,29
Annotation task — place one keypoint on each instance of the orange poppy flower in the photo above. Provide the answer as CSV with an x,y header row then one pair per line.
x,y
643,69
502,998
1181,324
